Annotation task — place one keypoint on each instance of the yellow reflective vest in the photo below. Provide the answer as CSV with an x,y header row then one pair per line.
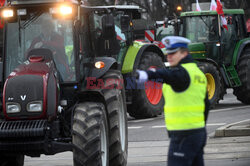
x,y
185,110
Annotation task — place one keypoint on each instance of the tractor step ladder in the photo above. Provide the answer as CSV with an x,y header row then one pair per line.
x,y
232,76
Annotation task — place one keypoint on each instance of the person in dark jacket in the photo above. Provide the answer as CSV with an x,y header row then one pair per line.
x,y
53,41
186,103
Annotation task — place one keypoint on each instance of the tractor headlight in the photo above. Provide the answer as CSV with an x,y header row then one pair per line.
x,y
8,13
12,108
62,10
36,106
66,10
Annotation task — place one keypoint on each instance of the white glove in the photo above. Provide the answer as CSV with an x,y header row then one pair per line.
x,y
142,76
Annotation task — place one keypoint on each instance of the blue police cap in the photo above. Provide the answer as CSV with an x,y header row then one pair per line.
x,y
174,43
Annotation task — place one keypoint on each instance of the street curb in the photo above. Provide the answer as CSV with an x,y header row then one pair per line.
x,y
234,129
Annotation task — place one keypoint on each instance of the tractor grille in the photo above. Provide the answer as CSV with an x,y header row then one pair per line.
x,y
17,129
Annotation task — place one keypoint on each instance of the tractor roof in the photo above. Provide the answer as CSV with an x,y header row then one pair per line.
x,y
29,2
206,13
127,9
117,7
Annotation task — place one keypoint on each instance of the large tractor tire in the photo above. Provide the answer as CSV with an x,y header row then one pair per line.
x,y
148,102
90,135
215,85
11,160
117,115
243,68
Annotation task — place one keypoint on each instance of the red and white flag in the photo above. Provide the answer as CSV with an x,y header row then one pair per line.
x,y
219,8
224,22
213,5
221,13
198,8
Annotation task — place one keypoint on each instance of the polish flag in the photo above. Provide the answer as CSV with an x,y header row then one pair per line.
x,y
221,13
213,5
198,8
224,22
219,8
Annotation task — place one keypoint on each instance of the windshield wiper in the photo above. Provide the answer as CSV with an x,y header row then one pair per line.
x,y
27,23
204,21
31,19
19,31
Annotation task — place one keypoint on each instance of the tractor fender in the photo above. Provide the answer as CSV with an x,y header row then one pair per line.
x,y
109,63
209,61
241,45
92,95
134,53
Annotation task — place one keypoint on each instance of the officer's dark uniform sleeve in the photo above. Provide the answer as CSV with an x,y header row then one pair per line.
x,y
178,78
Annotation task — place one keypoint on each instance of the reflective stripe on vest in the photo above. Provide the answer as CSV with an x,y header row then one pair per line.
x,y
185,110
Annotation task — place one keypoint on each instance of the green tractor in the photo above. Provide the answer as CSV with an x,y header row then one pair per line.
x,y
223,55
142,102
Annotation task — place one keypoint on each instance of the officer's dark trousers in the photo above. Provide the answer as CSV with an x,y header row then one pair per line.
x,y
186,149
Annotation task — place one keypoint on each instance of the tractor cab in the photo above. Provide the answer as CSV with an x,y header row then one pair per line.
x,y
46,27
218,42
219,50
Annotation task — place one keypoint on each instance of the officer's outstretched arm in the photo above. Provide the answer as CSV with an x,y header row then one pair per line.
x,y
178,78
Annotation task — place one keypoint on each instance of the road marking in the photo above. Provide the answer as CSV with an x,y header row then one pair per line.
x,y
163,126
135,127
144,120
239,122
216,124
228,109
158,127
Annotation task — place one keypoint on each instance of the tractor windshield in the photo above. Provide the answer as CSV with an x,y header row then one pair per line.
x,y
163,31
41,31
201,29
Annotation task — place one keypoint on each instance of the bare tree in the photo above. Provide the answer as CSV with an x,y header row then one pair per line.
x,y
160,9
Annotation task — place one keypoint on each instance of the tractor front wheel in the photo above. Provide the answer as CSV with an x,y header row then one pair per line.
x,y
214,82
117,115
147,102
90,135
11,160
243,68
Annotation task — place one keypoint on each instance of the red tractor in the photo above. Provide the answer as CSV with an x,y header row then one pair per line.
x,y
47,106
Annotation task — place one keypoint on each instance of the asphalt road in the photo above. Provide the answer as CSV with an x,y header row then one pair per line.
x,y
153,130
228,111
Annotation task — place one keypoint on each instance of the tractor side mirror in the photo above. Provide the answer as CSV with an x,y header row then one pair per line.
x,y
108,26
248,34
166,22
108,43
125,23
78,26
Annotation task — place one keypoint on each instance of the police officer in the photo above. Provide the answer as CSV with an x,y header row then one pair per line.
x,y
186,104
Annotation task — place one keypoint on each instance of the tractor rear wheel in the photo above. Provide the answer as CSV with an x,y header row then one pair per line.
x,y
117,115
90,135
17,160
147,102
215,84
243,68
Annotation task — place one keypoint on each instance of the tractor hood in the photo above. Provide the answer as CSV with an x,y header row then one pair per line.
x,y
197,50
30,91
